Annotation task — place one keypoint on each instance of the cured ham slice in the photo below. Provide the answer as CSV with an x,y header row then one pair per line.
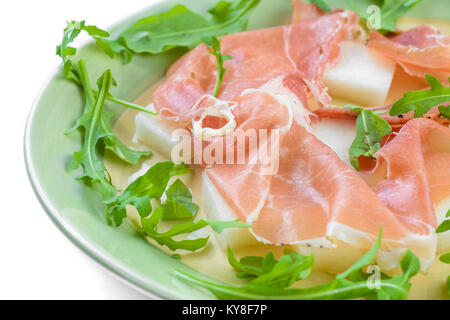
x,y
302,11
396,122
306,48
313,190
256,110
419,51
415,172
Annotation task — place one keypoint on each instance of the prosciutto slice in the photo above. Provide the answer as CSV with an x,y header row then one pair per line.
x,y
418,51
396,122
302,11
415,171
306,48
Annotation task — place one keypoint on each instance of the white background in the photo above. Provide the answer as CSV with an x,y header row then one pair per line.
x,y
36,260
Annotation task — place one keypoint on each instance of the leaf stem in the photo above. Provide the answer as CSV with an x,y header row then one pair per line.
x,y
130,105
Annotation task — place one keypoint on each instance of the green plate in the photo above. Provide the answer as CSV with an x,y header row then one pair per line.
x,y
77,209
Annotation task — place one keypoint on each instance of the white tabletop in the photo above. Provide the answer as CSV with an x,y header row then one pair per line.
x,y
36,260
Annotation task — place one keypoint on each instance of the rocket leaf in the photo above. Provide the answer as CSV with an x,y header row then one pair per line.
x,y
389,10
182,27
271,284
149,186
423,100
214,43
370,130
179,203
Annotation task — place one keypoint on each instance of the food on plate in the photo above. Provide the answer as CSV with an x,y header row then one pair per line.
x,y
326,141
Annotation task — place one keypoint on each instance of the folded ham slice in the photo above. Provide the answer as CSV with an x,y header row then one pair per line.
x,y
302,11
396,122
418,51
306,48
313,197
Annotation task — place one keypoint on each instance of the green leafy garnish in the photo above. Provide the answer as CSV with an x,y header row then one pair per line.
x,y
179,203
110,47
390,10
322,4
423,100
214,44
181,27
149,186
445,258
149,229
370,130
282,273
98,135
269,283
71,71
448,285
445,111
444,226
91,122
71,32
219,226
251,266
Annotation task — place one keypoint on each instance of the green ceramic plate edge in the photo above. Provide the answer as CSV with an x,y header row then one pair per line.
x,y
76,209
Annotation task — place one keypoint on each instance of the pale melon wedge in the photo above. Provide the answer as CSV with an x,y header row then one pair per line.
x,y
362,75
156,133
216,208
338,134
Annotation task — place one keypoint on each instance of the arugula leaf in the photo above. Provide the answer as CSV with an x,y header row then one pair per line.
x,y
181,27
149,186
445,258
423,100
397,287
149,228
98,135
72,30
251,266
348,285
448,285
179,203
445,225
219,226
390,10
71,71
370,130
214,44
365,260
291,267
88,158
110,47
322,4
445,111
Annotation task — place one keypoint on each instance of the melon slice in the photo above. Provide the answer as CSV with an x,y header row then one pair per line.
x,y
156,133
338,134
216,208
362,76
